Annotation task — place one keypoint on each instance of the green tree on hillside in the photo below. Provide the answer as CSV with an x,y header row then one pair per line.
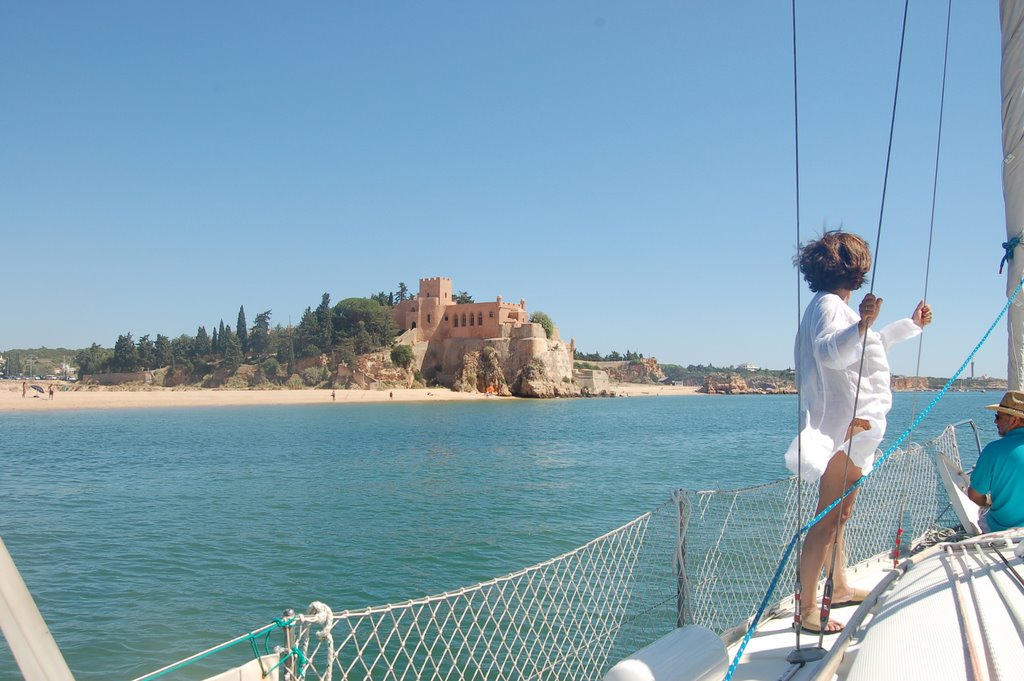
x,y
92,360
202,346
183,349
146,352
403,292
402,356
233,355
325,324
162,351
126,356
308,335
384,299
545,322
240,331
366,322
461,298
259,338
282,342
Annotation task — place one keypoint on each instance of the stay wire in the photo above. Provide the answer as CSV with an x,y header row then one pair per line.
x,y
753,622
826,605
797,595
927,265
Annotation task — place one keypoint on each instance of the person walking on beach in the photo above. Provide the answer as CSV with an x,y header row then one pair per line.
x,y
24,388
997,483
835,444
333,396
51,391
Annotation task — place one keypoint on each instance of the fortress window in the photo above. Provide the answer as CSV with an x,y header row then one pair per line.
x,y
471,319
428,319
491,314
456,322
463,318
446,317
479,318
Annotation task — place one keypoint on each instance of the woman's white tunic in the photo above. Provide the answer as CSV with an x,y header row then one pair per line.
x,y
828,358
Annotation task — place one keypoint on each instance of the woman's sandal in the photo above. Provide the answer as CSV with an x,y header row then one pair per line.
x,y
856,599
811,623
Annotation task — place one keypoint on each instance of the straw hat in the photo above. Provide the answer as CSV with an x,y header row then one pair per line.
x,y
1012,404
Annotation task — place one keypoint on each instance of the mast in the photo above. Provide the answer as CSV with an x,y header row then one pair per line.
x,y
30,640
1011,17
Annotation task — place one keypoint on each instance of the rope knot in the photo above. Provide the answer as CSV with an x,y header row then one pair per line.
x,y
321,614
1008,247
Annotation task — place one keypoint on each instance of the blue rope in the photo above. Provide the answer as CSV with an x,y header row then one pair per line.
x,y
814,521
1008,247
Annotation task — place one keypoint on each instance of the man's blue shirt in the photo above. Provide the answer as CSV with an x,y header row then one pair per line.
x,y
1000,472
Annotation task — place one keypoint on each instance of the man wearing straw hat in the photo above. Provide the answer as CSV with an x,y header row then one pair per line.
x,y
997,483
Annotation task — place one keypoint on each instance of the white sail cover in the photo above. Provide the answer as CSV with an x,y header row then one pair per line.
x,y
1011,14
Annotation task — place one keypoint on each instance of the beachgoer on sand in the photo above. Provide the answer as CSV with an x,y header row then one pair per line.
x,y
24,388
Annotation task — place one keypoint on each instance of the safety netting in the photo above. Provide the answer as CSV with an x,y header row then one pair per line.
x,y
701,557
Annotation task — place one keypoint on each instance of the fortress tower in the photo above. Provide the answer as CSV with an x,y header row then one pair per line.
x,y
436,287
434,315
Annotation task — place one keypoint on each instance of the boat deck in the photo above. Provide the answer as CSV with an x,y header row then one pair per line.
x,y
951,611
765,656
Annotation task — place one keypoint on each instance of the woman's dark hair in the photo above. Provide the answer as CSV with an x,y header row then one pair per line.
x,y
836,260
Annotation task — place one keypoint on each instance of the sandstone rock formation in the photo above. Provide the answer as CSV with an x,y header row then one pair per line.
x,y
643,370
525,363
909,383
724,384
733,384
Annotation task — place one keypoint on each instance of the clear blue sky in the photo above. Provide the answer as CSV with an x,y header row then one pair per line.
x,y
627,168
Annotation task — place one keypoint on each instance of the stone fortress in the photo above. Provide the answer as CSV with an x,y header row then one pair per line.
x,y
489,347
433,314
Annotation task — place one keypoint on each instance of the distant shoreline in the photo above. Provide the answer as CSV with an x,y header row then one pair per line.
x,y
96,397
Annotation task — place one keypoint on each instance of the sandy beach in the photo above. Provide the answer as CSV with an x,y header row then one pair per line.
x,y
95,397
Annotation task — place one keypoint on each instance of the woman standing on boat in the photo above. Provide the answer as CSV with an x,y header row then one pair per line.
x,y
835,443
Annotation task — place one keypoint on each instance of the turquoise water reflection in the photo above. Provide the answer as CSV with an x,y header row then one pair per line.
x,y
148,535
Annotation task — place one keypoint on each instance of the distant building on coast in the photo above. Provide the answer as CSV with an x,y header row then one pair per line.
x,y
434,315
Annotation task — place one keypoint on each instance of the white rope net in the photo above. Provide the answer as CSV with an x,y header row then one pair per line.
x,y
574,616
561,619
703,557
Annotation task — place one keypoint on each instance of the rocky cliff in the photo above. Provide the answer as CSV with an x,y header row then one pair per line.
x,y
909,383
644,370
733,384
525,364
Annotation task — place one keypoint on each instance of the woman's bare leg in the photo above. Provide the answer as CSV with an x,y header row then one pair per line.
x,y
839,474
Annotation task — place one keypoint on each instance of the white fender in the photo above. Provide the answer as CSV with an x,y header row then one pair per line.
x,y
689,654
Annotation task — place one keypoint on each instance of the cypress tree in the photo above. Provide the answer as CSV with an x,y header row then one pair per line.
x,y
201,346
240,330
232,350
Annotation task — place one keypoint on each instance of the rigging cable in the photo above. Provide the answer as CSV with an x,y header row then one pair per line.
x,y
927,271
826,598
878,464
797,612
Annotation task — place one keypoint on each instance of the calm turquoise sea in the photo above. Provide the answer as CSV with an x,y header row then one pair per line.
x,y
149,535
